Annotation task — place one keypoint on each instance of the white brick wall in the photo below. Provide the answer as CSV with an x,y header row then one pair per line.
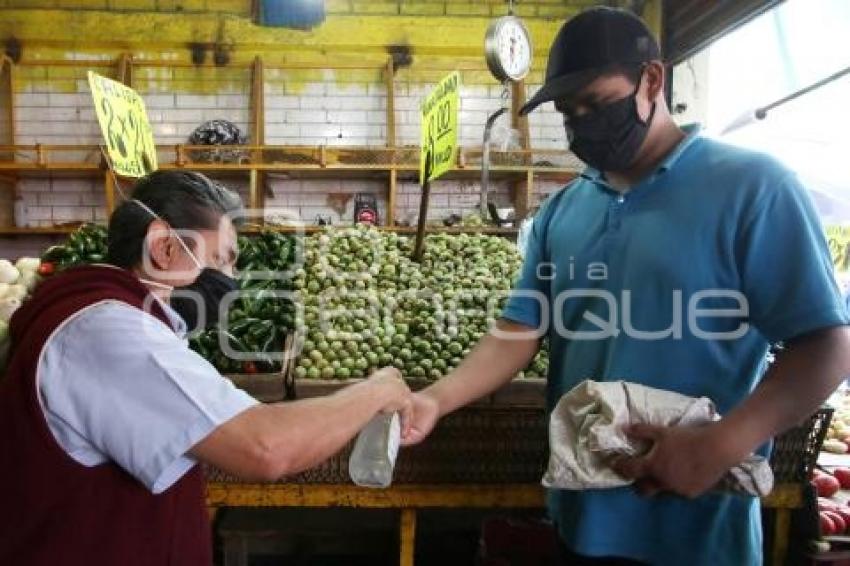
x,y
326,111
345,108
306,199
175,110
331,110
55,200
447,197
542,190
546,125
55,118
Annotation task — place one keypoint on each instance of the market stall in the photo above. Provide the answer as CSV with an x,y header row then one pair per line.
x,y
389,175
490,455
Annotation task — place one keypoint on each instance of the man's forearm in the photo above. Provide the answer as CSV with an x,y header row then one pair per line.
x,y
268,442
308,432
802,377
491,364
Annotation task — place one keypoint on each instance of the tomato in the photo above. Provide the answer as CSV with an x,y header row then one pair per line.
x,y
46,268
844,512
827,527
826,485
249,367
825,504
839,525
843,477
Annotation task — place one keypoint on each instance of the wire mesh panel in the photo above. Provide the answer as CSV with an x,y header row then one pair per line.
x,y
472,446
505,441
795,452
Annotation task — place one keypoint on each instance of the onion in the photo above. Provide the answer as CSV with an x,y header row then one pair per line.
x,y
16,291
29,280
8,272
7,307
28,264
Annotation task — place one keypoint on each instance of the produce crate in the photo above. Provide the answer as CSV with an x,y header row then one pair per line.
x,y
499,440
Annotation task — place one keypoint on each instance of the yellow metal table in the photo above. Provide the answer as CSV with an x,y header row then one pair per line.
x,y
407,498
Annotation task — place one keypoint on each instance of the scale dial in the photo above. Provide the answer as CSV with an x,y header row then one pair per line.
x,y
507,48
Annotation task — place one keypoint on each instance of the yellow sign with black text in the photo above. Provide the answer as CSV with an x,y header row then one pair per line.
x,y
439,128
125,127
838,238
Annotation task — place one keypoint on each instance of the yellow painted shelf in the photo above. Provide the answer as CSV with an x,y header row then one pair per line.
x,y
293,160
394,164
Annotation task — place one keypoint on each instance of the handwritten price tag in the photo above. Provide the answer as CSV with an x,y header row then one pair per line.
x,y
125,127
439,128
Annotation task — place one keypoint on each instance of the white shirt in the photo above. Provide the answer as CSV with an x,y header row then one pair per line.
x,y
117,384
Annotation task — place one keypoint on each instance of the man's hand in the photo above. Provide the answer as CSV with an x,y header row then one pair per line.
x,y
395,395
474,378
686,461
426,413
690,461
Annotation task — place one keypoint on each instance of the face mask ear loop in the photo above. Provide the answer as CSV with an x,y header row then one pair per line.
x,y
634,95
188,251
157,284
179,239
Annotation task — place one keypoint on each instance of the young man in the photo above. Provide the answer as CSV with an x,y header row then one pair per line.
x,y
106,412
673,261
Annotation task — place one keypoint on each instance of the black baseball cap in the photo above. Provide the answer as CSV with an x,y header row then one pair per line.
x,y
588,45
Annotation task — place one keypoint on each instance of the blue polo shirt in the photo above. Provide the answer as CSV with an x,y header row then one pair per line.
x,y
680,284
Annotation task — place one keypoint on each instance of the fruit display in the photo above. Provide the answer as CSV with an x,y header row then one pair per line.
x,y
834,518
826,485
366,304
834,515
354,298
17,282
838,436
85,245
259,320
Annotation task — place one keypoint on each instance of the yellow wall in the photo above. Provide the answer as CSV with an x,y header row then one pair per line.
x,y
161,30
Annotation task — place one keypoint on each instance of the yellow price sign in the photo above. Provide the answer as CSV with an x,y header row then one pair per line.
x,y
125,127
439,128
838,238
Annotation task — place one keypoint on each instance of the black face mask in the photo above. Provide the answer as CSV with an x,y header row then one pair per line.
x,y
206,292
609,138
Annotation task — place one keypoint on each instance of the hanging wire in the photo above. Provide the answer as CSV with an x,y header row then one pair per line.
x,y
115,179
